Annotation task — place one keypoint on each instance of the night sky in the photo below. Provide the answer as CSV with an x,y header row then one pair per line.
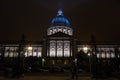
x,y
100,18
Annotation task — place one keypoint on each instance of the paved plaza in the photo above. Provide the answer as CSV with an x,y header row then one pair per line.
x,y
54,76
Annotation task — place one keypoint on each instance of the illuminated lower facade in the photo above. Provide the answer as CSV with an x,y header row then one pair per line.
x,y
59,48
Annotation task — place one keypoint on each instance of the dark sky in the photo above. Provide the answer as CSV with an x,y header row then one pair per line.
x,y
32,18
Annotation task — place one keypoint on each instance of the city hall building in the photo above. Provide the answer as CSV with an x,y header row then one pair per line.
x,y
59,48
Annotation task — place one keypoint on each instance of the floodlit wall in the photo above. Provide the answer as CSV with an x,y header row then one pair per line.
x,y
102,51
26,51
59,48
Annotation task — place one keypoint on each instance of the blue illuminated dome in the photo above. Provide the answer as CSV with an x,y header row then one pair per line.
x,y
60,20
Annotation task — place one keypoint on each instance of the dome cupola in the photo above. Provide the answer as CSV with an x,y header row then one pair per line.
x,y
59,20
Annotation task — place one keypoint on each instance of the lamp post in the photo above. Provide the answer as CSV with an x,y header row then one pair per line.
x,y
43,61
86,50
29,49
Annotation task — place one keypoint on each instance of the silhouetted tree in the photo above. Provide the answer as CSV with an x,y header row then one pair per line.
x,y
82,60
117,62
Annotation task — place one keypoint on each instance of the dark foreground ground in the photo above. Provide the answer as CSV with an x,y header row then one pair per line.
x,y
56,76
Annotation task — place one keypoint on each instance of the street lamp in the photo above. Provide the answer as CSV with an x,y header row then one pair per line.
x,y
29,48
86,50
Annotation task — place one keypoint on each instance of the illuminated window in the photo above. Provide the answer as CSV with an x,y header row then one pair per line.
x,y
66,48
112,55
107,53
59,48
103,54
39,52
26,54
29,53
11,54
7,51
15,51
52,48
34,51
112,52
98,55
